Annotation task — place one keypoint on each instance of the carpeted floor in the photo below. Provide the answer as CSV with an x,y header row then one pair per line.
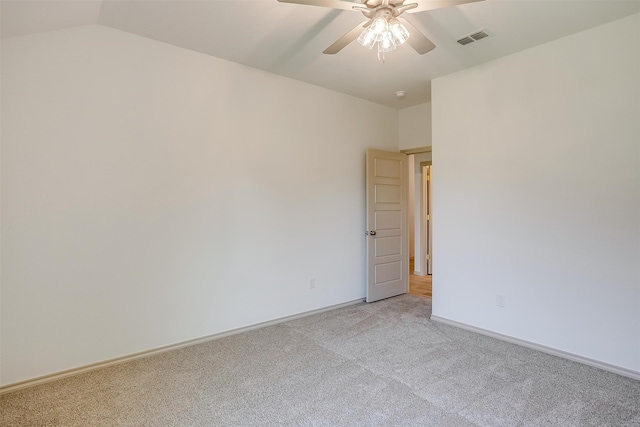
x,y
374,364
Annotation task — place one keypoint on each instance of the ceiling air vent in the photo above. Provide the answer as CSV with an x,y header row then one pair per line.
x,y
478,35
465,40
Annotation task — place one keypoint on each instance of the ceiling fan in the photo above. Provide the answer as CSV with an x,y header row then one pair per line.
x,y
384,25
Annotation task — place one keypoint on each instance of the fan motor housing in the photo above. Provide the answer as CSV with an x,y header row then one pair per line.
x,y
372,4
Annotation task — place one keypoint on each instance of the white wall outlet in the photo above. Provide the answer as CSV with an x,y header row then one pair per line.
x,y
500,300
312,283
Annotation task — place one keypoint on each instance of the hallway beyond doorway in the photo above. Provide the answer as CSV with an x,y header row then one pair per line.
x,y
419,285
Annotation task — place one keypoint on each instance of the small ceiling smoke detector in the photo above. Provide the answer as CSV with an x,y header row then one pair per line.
x,y
401,94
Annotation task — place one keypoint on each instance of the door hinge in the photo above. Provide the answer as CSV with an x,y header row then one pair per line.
x,y
428,257
428,217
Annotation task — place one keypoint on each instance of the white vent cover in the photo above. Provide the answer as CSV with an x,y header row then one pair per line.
x,y
478,35
465,40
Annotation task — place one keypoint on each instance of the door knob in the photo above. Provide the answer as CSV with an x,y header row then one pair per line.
x,y
373,233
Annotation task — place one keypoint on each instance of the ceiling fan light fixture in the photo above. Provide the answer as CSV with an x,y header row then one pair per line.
x,y
368,38
399,32
386,44
379,26
385,31
383,23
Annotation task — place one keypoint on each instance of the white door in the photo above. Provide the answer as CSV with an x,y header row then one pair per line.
x,y
387,243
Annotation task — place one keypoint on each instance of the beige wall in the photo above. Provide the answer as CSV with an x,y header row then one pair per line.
x,y
137,180
415,127
537,195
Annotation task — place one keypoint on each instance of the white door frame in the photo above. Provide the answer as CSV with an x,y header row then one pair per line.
x,y
426,235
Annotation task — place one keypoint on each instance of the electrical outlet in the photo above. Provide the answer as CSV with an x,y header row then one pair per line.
x,y
312,283
500,300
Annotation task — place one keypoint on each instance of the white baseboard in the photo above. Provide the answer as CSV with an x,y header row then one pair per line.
x,y
549,350
110,362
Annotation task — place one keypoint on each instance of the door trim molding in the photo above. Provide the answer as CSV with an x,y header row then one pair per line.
x,y
425,235
418,150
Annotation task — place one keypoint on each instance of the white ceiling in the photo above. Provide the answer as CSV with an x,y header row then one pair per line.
x,y
288,39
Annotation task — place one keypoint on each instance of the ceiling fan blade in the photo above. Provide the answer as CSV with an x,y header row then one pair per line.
x,y
343,41
437,4
417,40
333,4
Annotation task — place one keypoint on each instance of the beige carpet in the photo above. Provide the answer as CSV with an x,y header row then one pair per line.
x,y
381,364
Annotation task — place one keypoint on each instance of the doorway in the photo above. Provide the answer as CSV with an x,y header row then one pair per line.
x,y
420,222
426,237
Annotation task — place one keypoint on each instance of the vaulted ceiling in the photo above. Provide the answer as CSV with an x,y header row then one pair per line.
x,y
288,39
